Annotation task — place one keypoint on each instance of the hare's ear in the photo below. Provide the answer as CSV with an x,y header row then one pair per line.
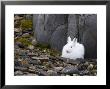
x,y
69,39
73,40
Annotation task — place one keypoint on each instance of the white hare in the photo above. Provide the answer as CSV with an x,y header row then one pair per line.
x,y
73,49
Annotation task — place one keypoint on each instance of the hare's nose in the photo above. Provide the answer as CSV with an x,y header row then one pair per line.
x,y
67,51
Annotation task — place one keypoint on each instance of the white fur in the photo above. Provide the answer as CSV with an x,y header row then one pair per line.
x,y
77,50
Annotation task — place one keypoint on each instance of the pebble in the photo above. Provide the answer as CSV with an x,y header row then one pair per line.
x,y
19,44
57,69
31,47
25,35
34,42
42,59
90,67
70,70
35,62
31,74
20,68
52,73
44,73
18,73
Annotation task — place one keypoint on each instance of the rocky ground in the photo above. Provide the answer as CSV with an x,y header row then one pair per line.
x,y
34,59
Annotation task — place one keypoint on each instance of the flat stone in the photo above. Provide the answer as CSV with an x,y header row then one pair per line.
x,y
42,59
43,73
20,68
16,73
25,35
52,73
70,70
57,69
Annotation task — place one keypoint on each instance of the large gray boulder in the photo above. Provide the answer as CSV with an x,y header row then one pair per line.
x,y
46,25
59,38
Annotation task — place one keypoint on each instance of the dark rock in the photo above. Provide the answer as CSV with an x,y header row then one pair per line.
x,y
17,63
19,44
35,62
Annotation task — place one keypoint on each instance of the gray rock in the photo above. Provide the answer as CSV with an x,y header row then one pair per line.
x,y
84,72
25,35
19,44
52,73
31,74
20,68
70,70
58,69
34,62
42,59
59,37
31,47
43,73
72,25
16,73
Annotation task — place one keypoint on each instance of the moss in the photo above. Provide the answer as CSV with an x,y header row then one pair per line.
x,y
25,24
24,41
54,52
43,46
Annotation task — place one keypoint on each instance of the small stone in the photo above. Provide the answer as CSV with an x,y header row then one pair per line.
x,y
86,63
17,30
84,72
25,35
18,73
52,73
31,74
32,70
44,73
62,74
44,50
67,75
32,67
19,44
31,54
90,67
20,68
42,59
17,63
31,47
34,42
57,69
75,74
70,70
35,62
